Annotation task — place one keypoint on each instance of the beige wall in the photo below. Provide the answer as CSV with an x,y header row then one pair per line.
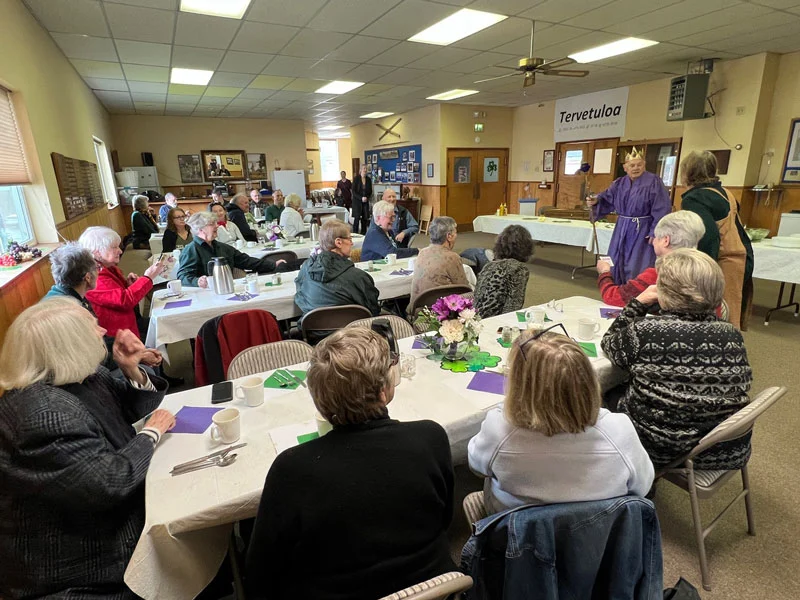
x,y
167,137
532,135
345,157
785,107
57,109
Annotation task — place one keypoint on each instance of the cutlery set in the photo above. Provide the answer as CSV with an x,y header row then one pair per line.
x,y
286,378
220,458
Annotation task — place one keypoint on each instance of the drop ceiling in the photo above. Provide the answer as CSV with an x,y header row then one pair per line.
x,y
268,64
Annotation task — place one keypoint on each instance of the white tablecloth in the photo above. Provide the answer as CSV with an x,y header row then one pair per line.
x,y
774,263
557,231
189,517
341,212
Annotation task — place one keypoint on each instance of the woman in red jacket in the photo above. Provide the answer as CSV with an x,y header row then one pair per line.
x,y
116,298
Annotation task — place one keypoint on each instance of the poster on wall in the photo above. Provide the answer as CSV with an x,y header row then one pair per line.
x,y
591,116
791,168
190,169
491,170
256,166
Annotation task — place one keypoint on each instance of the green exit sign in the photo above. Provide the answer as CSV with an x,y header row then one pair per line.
x,y
478,127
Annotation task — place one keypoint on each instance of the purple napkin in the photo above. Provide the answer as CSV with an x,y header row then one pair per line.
x,y
242,298
486,381
610,313
417,345
178,303
193,419
402,272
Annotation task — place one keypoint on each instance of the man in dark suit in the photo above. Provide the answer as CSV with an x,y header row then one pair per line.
x,y
362,192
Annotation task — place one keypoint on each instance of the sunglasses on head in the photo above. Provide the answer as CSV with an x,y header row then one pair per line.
x,y
536,336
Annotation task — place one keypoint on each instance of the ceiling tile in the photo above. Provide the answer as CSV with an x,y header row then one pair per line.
x,y
289,66
403,53
87,47
681,12
442,58
95,68
481,61
147,87
780,4
284,12
144,53
114,97
399,76
330,69
141,97
350,16
142,24
143,73
366,73
178,111
245,62
106,84
360,48
369,89
305,85
270,82
240,80
205,31
214,101
219,91
399,90
259,94
314,44
409,18
181,89
613,12
187,57
149,106
262,37
499,34
177,100
232,113
577,44
289,96
70,16
163,4
207,111
244,102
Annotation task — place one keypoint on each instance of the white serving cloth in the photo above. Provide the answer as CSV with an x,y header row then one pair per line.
x,y
571,233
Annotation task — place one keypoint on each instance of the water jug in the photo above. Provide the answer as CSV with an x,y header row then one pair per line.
x,y
257,213
220,270
314,231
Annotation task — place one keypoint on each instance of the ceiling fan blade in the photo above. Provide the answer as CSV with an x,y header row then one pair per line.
x,y
554,64
505,67
563,73
493,78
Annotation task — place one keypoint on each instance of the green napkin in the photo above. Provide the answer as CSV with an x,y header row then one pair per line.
x,y
380,261
307,437
270,284
589,348
274,382
504,344
521,317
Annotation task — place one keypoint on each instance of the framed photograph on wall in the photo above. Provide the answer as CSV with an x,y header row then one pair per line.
x,y
374,159
369,159
223,164
548,161
791,165
430,170
190,168
256,166
412,155
405,156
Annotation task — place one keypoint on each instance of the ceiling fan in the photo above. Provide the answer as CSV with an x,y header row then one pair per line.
x,y
531,65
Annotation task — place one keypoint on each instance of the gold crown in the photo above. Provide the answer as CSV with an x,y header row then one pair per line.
x,y
634,154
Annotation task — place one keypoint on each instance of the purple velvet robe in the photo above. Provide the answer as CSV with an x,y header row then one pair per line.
x,y
640,204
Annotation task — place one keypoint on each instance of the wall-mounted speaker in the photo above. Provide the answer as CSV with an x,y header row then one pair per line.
x,y
147,159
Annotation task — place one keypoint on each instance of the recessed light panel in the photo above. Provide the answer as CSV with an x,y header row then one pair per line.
x,y
452,94
375,115
612,49
330,127
457,26
190,76
231,9
339,87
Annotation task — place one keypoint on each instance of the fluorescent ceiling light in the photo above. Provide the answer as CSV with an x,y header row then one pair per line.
x,y
190,76
457,26
375,115
612,49
452,94
231,9
339,87
331,127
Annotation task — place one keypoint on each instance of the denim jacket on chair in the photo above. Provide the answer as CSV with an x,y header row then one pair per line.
x,y
609,549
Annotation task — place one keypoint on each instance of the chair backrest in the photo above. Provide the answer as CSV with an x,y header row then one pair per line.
x,y
724,311
244,329
429,297
355,255
331,318
474,508
286,255
267,357
437,588
400,327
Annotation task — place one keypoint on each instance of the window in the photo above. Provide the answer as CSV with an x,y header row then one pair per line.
x,y
106,174
329,157
15,222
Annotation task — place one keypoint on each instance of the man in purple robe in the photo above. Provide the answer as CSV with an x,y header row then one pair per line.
x,y
640,199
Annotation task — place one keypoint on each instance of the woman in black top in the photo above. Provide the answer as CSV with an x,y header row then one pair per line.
x,y
363,511
142,223
178,233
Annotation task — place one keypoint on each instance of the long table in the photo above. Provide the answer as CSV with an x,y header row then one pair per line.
x,y
570,232
777,264
189,517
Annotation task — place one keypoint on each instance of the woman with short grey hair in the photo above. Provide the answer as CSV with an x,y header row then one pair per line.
x,y
142,223
438,265
73,267
292,217
200,220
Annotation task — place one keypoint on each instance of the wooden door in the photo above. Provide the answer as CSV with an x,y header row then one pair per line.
x,y
493,179
462,185
600,181
571,181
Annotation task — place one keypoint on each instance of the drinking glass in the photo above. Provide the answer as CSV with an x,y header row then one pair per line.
x,y
408,366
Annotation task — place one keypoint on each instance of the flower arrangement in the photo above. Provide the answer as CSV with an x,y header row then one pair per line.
x,y
275,233
455,323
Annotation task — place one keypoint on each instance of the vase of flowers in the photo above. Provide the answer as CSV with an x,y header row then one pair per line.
x,y
274,232
453,327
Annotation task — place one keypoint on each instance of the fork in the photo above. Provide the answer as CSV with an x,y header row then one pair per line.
x,y
285,381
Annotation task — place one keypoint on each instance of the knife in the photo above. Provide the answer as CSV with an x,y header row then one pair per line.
x,y
210,456
294,377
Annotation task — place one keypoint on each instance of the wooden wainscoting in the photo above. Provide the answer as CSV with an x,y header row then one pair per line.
x,y
516,191
434,196
319,185
114,218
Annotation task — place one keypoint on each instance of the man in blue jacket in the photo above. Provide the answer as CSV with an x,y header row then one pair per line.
x,y
405,226
379,240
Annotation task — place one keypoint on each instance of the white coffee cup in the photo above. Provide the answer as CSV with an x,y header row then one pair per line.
x,y
239,244
279,243
587,328
391,259
210,280
251,244
226,427
251,390
411,263
176,254
535,316
323,426
175,286
363,265
252,287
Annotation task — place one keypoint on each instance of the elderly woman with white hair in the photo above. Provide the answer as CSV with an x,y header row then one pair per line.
x,y
142,223
116,297
688,370
437,264
72,467
680,229
193,269
292,216
379,240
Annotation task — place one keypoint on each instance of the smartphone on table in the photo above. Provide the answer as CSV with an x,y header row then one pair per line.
x,y
222,392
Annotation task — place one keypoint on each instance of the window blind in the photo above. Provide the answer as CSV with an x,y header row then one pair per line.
x,y
13,165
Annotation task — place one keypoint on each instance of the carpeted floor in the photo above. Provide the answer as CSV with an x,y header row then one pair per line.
x,y
742,566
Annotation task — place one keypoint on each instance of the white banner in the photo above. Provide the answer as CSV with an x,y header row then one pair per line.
x,y
591,116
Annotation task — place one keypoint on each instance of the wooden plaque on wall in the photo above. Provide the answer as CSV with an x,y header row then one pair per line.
x,y
78,185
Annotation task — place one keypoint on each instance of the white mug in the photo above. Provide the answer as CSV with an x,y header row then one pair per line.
x,y
279,243
226,427
587,328
363,265
323,426
535,316
210,280
251,244
175,286
411,263
391,259
176,254
252,391
252,287
239,244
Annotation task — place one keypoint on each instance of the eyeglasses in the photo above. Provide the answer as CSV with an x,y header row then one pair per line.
x,y
556,306
394,358
348,239
536,336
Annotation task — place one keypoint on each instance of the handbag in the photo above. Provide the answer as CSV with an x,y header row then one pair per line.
x,y
683,590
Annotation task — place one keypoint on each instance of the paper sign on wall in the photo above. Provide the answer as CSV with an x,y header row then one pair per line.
x,y
602,160
491,170
591,116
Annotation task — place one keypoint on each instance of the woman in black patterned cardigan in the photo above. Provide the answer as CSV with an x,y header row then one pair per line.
x,y
688,370
72,467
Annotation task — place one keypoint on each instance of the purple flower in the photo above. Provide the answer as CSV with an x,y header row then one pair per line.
x,y
585,167
450,306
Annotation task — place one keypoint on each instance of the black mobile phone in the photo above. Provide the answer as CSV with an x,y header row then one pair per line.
x,y
222,392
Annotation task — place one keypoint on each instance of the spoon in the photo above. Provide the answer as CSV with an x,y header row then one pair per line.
x,y
217,461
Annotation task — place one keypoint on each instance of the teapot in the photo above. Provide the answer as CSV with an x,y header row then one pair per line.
x,y
220,270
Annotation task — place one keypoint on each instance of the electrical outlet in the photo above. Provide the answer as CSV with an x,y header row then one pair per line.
x,y
739,111
526,166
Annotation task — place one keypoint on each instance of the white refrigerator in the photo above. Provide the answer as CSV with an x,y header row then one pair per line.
x,y
289,182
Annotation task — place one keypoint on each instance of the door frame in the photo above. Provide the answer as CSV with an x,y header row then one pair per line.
x,y
474,149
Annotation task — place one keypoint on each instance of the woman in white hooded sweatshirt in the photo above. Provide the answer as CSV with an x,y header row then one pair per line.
x,y
551,442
